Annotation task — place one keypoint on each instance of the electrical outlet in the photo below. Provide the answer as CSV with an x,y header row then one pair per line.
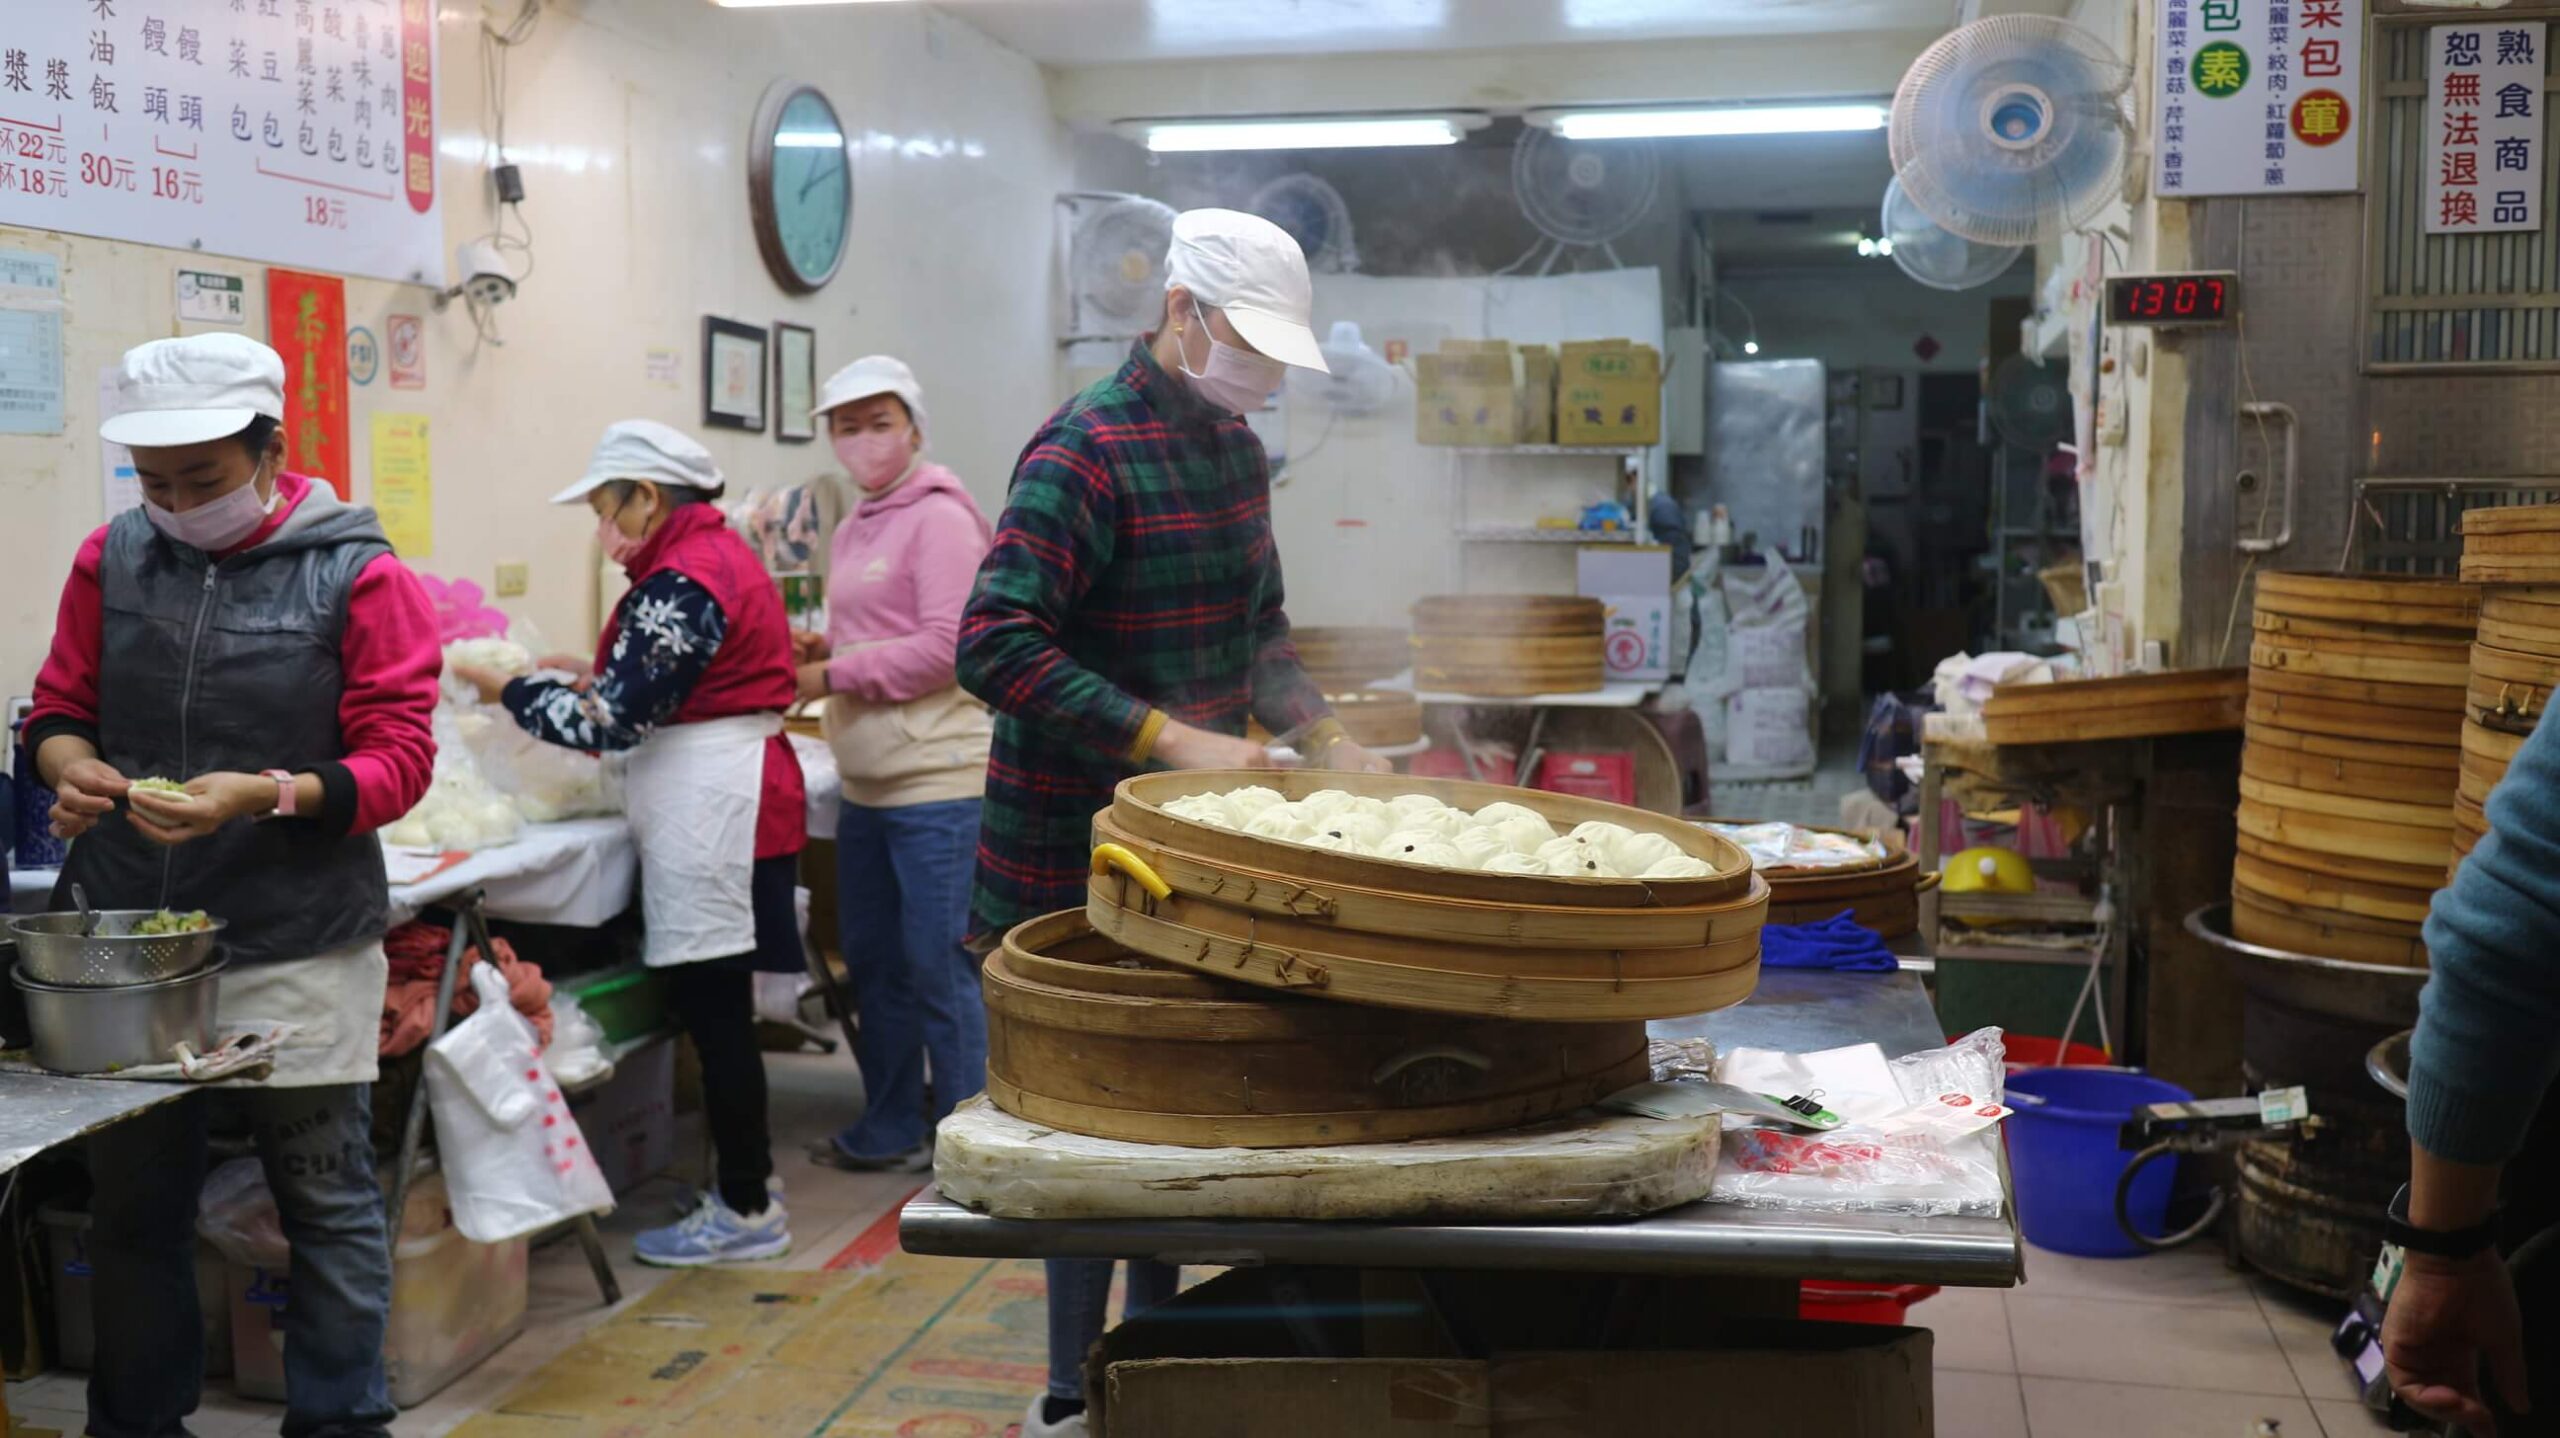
x,y
513,578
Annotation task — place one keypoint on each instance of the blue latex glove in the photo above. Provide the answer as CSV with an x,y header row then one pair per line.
x,y
1839,942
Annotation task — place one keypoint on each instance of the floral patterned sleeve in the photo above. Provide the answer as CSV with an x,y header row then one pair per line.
x,y
666,631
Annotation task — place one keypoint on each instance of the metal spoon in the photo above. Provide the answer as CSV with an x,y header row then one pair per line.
x,y
88,916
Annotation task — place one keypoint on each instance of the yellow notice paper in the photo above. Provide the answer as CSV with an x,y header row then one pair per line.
x,y
404,484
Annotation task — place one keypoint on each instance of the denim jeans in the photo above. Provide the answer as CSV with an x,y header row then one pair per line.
x,y
1079,1304
316,1145
902,892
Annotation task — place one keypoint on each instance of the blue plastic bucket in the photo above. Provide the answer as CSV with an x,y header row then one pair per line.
x,y
2065,1160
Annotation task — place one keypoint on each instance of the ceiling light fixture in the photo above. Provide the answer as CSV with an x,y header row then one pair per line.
x,y
1751,347
1311,132
1710,121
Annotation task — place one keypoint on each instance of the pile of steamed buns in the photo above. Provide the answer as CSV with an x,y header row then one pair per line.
x,y
1418,829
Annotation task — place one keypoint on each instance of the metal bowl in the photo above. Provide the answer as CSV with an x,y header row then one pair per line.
x,y
51,950
103,1030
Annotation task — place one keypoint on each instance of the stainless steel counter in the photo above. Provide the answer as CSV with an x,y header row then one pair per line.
x,y
1792,1010
38,1111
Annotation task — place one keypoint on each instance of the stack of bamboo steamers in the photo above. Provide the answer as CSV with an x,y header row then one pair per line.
x,y
1225,989
1344,663
2354,758
2513,554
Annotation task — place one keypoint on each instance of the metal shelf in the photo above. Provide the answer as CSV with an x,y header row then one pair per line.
x,y
1621,451
1530,534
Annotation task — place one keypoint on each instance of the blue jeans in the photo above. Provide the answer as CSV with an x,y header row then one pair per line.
x,y
902,893
317,1147
1079,1303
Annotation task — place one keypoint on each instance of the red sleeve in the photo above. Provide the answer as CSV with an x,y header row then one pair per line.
x,y
67,685
386,715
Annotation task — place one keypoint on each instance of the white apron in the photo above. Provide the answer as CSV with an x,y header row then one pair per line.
x,y
693,792
334,1002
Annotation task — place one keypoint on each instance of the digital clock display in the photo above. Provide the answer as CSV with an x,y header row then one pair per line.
x,y
2197,299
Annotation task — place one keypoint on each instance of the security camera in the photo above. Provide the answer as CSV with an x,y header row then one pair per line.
x,y
485,278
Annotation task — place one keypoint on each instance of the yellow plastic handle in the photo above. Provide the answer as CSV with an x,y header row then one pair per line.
x,y
1107,857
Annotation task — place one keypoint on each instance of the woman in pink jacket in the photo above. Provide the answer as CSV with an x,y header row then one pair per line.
x,y
911,747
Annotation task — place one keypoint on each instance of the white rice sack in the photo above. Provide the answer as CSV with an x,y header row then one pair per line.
x,y
1251,800
1639,852
1678,866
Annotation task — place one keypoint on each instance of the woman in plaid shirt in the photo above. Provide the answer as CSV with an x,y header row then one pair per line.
x,y
1130,615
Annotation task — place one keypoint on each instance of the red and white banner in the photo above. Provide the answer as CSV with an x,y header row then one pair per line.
x,y
297,132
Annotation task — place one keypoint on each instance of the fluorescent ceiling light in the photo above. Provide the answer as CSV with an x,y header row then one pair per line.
x,y
1716,120
1333,132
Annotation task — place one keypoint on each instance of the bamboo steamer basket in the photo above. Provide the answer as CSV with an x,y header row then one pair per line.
x,y
1509,645
2355,840
1370,718
1083,1036
1348,657
2393,783
2310,889
2512,544
2411,701
2377,729
2508,690
2346,867
2132,707
2266,734
2391,603
1881,894
1375,931
2323,932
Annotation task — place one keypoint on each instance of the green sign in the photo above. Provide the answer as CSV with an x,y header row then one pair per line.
x,y
2220,70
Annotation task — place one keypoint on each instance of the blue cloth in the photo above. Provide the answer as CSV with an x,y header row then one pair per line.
x,y
1079,1306
2488,1039
669,631
317,1147
1839,942
902,896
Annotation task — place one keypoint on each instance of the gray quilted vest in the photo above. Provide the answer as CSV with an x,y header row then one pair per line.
x,y
233,665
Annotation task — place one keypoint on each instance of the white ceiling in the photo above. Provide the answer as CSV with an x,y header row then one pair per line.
x,y
1104,32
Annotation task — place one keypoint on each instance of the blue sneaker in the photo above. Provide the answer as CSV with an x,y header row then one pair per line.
x,y
716,1233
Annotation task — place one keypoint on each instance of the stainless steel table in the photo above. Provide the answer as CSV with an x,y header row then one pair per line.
x,y
38,1111
1793,1010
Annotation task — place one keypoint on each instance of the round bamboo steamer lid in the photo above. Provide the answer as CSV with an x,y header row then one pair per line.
x,y
1077,1039
2353,868
2428,698
1512,682
2519,637
1504,615
2360,839
1351,656
2255,922
2512,544
2508,689
1385,911
2131,707
2480,778
1882,895
2315,772
2299,629
2364,723
2433,758
1246,953
1492,651
2470,819
2424,815
2498,745
2306,889
1371,718
1137,809
2390,602
2446,666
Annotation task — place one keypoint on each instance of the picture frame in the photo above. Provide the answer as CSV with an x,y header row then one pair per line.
x,y
1884,392
795,383
735,371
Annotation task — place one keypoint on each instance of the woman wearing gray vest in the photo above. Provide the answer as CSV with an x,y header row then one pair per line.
x,y
250,635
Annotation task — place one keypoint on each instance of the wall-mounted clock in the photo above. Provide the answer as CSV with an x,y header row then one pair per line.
x,y
800,187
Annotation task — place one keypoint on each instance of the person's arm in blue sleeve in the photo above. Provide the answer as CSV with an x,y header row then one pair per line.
x,y
669,628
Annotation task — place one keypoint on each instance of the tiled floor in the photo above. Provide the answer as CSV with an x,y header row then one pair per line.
x,y
2174,1345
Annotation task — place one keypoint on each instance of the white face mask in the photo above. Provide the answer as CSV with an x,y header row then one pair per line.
x,y
1234,378
216,526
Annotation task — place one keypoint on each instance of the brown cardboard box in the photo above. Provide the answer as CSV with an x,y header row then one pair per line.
x,y
1537,394
1469,393
1287,1353
1609,392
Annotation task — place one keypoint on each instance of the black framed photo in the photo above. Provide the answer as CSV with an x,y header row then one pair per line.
x,y
733,375
795,382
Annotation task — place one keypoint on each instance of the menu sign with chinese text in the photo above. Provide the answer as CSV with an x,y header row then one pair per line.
x,y
2258,97
2484,127
296,132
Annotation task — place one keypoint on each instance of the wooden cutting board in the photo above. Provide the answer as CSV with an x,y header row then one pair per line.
x,y
2131,707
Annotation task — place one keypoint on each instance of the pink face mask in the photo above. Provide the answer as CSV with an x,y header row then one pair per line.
x,y
1234,378
618,546
219,525
875,458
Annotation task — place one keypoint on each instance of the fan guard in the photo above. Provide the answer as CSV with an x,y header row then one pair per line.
x,y
1935,255
1313,213
2013,127
1583,192
1115,263
2030,403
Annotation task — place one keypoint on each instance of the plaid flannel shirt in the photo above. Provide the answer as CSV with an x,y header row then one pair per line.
x,y
1133,570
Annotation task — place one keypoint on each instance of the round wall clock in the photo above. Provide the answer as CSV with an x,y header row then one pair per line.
x,y
800,187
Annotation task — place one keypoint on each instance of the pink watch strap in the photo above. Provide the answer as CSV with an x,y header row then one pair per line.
x,y
284,792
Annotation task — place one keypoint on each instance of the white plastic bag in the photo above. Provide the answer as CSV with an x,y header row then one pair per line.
x,y
1876,1162
514,1159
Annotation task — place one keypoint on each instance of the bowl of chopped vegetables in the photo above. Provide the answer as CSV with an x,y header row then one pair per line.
x,y
128,946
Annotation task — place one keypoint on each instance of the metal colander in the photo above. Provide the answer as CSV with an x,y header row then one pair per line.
x,y
51,950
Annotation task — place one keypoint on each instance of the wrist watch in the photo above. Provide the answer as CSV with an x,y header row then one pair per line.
x,y
284,791
2436,1242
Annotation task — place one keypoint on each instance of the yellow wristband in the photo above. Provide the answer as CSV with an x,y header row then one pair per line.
x,y
1323,734
1153,726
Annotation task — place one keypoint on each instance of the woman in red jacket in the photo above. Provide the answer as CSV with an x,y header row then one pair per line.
x,y
690,682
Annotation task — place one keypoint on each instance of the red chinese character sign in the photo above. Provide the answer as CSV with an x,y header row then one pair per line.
x,y
2258,97
307,324
2484,135
297,132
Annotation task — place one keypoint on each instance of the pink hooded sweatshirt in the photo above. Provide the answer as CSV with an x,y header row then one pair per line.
x,y
902,564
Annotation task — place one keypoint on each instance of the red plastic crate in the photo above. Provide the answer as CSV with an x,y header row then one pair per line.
x,y
1609,774
1888,1304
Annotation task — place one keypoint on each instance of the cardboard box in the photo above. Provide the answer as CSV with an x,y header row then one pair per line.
x,y
1634,581
1228,1359
1609,392
1484,392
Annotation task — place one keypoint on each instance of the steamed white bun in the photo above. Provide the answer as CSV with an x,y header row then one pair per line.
x,y
1280,821
1497,812
1606,835
1365,830
1438,853
1638,852
1678,866
1211,809
1477,846
1523,833
1511,863
1251,800
1325,803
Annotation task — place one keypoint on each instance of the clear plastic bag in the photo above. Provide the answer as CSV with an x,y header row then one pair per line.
x,y
1874,1164
577,1051
237,1215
